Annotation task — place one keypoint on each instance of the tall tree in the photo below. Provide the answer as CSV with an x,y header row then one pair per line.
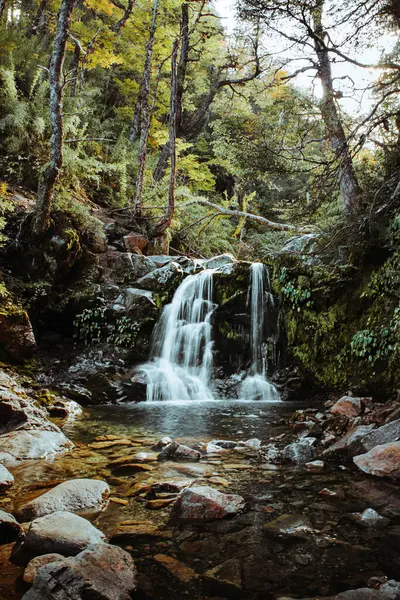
x,y
49,178
301,23
166,220
145,112
2,7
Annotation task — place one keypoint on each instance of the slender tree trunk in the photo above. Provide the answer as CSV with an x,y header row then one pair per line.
x,y
145,120
75,70
347,178
2,7
137,116
166,220
39,20
127,13
162,162
48,180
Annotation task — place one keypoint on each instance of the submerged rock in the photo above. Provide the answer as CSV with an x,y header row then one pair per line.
x,y
176,451
61,532
388,591
369,518
75,496
10,529
289,526
348,406
26,445
203,503
6,479
381,461
225,579
102,572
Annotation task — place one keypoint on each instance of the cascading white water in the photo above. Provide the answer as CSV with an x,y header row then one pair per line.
x,y
182,346
256,385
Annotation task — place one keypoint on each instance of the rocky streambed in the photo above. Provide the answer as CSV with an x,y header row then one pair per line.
x,y
201,500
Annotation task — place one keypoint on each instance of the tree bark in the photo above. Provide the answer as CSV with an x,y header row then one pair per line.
x,y
165,222
39,20
145,116
2,7
75,70
347,178
49,178
127,13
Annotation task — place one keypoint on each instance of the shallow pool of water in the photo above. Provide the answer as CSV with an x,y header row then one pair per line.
x,y
196,420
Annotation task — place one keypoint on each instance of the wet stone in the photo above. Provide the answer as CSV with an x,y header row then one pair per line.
x,y
176,568
202,503
36,563
369,518
176,451
289,526
225,579
301,452
348,406
6,479
61,532
381,461
76,496
10,529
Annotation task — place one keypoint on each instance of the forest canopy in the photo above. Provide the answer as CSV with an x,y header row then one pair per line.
x,y
204,136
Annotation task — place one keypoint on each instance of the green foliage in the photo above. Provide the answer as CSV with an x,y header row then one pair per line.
x,y
297,294
94,326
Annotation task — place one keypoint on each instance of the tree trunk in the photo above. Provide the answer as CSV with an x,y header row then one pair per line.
x,y
145,120
75,70
2,7
166,220
347,178
127,13
49,178
39,20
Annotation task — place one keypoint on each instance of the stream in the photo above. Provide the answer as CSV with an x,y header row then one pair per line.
x,y
294,537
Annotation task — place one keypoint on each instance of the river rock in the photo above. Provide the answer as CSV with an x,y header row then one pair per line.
x,y
203,503
163,279
316,466
289,527
349,444
381,461
219,261
75,496
369,518
165,441
6,478
135,242
388,591
102,572
382,435
32,444
176,451
348,406
64,409
177,569
10,529
36,563
225,579
225,444
301,452
61,532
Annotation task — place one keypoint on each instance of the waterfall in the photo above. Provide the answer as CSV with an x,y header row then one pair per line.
x,y
256,385
182,358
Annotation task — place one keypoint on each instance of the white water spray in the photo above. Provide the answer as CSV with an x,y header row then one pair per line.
x,y
256,385
182,345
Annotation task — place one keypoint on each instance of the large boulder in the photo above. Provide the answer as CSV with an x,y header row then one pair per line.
x,y
10,529
203,503
17,340
162,280
102,572
61,532
75,496
219,261
135,302
348,406
349,444
35,443
6,478
381,461
382,435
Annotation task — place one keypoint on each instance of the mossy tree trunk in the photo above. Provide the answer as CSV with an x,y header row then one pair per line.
x,y
49,178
